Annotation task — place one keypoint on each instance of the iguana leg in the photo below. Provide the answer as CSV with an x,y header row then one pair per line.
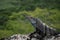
x,y
31,35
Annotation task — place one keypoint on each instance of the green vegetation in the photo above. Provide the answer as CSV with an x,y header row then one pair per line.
x,y
12,22
5,33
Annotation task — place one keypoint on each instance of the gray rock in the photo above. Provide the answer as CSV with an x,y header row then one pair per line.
x,y
24,37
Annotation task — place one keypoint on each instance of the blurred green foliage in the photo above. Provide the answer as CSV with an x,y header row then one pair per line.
x,y
12,21
5,33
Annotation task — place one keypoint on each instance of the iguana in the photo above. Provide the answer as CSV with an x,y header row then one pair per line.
x,y
41,28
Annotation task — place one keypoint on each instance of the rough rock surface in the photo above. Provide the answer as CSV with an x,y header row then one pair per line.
x,y
24,37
